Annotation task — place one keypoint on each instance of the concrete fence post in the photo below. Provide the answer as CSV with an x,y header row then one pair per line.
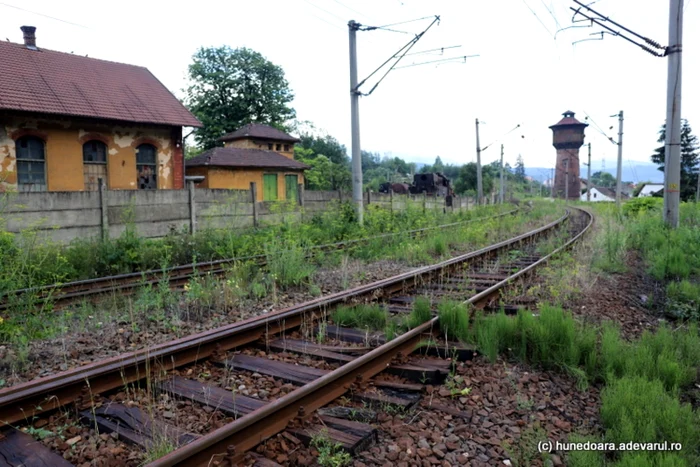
x,y
191,203
369,197
254,200
340,196
391,201
424,200
104,217
300,194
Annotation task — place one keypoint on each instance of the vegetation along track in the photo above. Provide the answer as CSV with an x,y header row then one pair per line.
x,y
177,276
337,360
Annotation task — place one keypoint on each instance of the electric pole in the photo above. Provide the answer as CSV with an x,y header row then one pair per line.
x,y
501,196
566,188
551,185
618,192
355,125
588,191
479,186
672,166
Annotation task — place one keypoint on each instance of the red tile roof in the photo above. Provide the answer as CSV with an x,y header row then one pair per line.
x,y
47,81
240,158
257,130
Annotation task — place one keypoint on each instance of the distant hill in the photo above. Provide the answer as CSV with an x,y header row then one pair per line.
x,y
634,171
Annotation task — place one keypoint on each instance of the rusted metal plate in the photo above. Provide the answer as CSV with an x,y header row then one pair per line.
x,y
134,426
210,395
296,374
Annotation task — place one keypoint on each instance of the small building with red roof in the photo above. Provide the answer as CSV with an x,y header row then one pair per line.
x,y
67,121
253,153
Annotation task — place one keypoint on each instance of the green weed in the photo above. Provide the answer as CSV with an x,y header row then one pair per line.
x,y
361,316
454,320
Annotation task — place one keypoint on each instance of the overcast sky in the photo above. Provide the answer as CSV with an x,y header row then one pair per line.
x,y
522,76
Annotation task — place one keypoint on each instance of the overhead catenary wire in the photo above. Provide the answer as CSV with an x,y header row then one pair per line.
x,y
443,60
538,18
400,54
44,15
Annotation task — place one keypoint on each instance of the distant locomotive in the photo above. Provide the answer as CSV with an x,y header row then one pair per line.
x,y
431,183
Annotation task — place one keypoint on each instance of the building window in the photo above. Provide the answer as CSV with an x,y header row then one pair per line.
x,y
31,164
269,146
94,164
286,148
278,147
147,167
595,195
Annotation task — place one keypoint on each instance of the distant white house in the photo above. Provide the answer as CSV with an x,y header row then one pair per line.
x,y
599,193
650,189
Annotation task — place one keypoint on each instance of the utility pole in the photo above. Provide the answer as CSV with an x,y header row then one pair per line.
x,y
551,185
618,191
479,186
566,187
672,166
588,191
501,196
355,124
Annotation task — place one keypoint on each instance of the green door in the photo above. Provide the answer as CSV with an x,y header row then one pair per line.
x,y
290,183
269,187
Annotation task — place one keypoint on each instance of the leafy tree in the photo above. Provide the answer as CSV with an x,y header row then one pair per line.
x,y
689,159
603,179
324,174
327,146
232,87
466,181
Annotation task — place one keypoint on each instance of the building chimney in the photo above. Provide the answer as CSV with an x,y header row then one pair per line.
x,y
29,37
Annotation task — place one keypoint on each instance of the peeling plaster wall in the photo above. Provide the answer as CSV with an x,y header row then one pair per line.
x,y
64,152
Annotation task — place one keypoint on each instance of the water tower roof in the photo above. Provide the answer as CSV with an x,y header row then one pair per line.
x,y
568,120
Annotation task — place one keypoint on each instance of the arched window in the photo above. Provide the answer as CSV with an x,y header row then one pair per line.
x,y
147,167
31,164
94,164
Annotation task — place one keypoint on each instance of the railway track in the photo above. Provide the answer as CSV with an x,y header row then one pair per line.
x,y
65,293
296,364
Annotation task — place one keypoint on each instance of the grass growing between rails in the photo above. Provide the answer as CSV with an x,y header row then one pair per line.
x,y
643,380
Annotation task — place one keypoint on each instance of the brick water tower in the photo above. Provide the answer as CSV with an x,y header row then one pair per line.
x,y
567,139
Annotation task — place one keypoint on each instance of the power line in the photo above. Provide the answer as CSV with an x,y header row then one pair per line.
x,y
324,10
601,19
45,16
351,9
538,18
450,59
556,21
405,22
398,55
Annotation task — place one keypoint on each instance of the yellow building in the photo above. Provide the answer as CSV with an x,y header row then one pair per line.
x,y
254,153
67,121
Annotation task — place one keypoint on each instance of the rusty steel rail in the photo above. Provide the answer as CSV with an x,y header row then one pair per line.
x,y
178,276
229,442
25,400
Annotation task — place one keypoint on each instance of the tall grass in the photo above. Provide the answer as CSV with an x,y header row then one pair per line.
x,y
420,313
454,320
361,316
